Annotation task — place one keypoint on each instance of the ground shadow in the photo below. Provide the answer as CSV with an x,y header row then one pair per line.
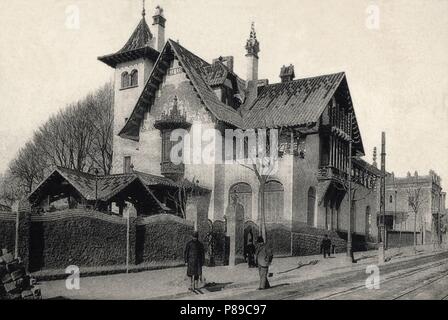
x,y
214,287
279,285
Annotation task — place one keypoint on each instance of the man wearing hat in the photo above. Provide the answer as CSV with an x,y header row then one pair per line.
x,y
194,258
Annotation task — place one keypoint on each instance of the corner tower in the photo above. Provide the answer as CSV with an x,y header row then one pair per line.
x,y
133,64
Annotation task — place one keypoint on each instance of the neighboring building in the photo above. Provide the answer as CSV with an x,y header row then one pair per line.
x,y
406,195
162,86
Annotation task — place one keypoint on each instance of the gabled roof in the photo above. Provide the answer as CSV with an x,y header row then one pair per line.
x,y
102,188
196,71
195,68
136,47
299,103
294,103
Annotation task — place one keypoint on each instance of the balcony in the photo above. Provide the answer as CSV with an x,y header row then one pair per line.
x,y
331,173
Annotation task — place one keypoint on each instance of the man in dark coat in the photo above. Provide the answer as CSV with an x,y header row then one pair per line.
x,y
263,256
194,258
250,254
325,246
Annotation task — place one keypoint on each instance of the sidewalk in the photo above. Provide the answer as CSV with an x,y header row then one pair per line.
x,y
172,283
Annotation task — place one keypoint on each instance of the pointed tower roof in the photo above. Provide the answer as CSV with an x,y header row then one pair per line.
x,y
138,46
140,38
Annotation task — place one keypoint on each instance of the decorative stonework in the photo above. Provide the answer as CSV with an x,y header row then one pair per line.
x,y
173,118
252,44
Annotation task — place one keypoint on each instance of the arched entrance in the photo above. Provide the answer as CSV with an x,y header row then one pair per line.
x,y
243,193
240,201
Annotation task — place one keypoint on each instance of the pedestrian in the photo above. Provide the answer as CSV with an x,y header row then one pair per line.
x,y
194,258
325,246
250,254
264,258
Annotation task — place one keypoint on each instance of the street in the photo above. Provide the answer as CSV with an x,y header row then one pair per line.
x,y
405,276
419,278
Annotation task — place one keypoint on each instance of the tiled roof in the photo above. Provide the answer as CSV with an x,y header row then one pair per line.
x,y
293,103
108,186
216,73
137,46
287,104
195,68
153,180
140,38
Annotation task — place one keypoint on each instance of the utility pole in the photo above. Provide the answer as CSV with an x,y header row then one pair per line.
x,y
383,184
383,233
349,177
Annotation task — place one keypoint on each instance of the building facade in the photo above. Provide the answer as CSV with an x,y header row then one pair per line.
x,y
416,202
162,90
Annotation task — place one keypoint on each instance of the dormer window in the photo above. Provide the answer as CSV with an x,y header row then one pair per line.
x,y
129,80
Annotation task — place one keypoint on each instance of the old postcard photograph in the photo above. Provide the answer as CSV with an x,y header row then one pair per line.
x,y
195,150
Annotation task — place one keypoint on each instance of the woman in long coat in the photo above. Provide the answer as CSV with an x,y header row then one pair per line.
x,y
194,258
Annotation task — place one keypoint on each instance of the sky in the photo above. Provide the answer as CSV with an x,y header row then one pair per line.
x,y
394,53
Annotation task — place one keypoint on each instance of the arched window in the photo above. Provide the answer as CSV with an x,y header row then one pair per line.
x,y
134,78
124,80
243,192
390,198
311,206
273,201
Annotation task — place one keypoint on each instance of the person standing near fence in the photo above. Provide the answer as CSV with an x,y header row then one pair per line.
x,y
195,259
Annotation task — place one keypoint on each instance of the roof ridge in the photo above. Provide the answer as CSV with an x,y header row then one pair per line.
x,y
307,78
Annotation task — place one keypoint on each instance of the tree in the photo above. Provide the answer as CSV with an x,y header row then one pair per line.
x,y
10,189
78,137
415,200
262,165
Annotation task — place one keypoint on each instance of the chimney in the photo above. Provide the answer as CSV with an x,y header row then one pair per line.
x,y
159,29
252,48
287,73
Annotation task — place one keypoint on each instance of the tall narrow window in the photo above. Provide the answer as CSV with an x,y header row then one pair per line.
x,y
368,221
311,206
124,80
134,78
127,164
